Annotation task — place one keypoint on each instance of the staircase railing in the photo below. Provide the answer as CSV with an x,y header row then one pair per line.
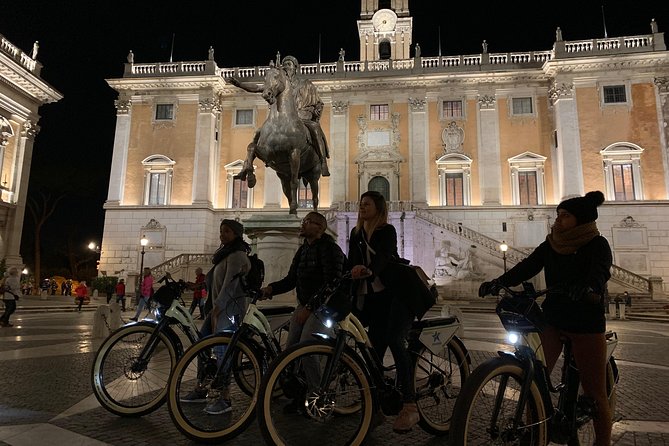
x,y
513,255
180,262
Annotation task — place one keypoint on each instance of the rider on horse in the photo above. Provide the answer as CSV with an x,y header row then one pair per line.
x,y
309,109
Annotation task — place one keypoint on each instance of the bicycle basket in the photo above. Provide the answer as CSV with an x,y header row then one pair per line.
x,y
166,295
520,314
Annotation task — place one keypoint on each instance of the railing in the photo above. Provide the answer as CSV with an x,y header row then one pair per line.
x,y
513,255
179,262
15,53
562,49
631,279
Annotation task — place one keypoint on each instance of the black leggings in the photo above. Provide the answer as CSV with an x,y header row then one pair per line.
x,y
389,321
10,308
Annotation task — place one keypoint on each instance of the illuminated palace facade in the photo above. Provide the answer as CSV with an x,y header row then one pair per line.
x,y
470,150
22,93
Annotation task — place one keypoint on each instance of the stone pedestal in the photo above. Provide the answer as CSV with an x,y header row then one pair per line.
x,y
275,239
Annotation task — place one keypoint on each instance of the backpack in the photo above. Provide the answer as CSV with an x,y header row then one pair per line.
x,y
256,275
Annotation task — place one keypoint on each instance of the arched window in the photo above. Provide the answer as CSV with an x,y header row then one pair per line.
x,y
622,171
384,49
454,179
158,170
381,185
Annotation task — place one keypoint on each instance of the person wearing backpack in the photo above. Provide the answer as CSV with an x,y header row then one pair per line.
x,y
12,289
317,262
226,301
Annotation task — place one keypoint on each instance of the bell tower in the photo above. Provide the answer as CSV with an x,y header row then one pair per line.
x,y
385,29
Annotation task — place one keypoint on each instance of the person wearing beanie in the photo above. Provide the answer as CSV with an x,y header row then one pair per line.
x,y
576,261
226,303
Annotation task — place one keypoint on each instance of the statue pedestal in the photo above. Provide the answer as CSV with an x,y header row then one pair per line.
x,y
275,239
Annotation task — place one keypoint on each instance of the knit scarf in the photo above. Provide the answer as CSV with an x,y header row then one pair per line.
x,y
568,242
238,244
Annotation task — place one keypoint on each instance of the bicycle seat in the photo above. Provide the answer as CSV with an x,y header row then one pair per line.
x,y
276,310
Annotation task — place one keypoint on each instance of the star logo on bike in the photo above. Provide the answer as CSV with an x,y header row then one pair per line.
x,y
435,338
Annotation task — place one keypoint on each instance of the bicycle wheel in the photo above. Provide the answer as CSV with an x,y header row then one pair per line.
x,y
304,413
586,431
202,360
484,411
122,383
438,380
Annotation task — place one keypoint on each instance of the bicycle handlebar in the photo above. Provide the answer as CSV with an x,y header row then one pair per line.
x,y
528,291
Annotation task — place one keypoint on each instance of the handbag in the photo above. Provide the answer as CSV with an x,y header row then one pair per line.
x,y
411,284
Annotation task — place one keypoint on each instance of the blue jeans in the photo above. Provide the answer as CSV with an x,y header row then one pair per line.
x,y
141,303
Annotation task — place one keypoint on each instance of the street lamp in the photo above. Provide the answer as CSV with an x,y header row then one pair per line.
x,y
504,247
143,241
94,247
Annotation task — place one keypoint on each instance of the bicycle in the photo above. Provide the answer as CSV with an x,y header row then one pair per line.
x,y
231,362
131,368
343,400
499,405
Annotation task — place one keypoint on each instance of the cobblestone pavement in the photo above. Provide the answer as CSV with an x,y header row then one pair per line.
x,y
45,363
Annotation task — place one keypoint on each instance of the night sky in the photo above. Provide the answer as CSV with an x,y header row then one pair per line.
x,y
82,43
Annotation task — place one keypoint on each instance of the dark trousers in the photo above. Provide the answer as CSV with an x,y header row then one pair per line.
x,y
10,308
389,321
81,302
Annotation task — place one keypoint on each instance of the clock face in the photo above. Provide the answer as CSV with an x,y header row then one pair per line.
x,y
384,20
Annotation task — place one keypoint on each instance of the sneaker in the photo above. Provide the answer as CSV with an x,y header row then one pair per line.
x,y
407,418
218,407
197,395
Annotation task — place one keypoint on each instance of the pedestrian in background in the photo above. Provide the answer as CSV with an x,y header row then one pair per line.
x,y
81,291
198,292
145,292
120,294
12,289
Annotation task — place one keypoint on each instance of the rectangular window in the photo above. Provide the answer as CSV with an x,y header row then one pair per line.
x,y
527,188
522,106
454,189
305,197
379,112
157,188
240,194
165,112
615,94
623,184
452,109
244,117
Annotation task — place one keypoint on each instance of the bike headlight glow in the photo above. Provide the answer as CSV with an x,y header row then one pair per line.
x,y
513,338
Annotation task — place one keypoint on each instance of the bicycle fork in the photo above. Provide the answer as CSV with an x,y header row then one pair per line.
x,y
147,351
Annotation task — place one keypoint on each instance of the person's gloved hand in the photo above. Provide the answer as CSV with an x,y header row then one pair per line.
x,y
490,288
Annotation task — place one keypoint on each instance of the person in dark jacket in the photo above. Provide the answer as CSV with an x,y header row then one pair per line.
x,y
372,244
576,261
318,261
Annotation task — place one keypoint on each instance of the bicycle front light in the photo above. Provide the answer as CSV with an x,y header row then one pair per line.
x,y
513,338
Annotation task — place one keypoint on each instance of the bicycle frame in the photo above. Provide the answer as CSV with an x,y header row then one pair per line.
x,y
563,419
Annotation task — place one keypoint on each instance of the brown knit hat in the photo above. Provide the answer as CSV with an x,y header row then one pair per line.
x,y
583,208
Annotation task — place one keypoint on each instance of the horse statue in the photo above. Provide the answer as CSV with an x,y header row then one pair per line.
x,y
284,142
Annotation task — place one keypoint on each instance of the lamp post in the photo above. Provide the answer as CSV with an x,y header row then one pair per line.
x,y
504,247
143,241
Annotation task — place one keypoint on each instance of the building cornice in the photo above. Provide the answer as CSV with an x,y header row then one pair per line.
x,y
26,82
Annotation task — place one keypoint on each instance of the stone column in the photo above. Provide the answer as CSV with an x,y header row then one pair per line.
x,y
120,153
662,84
569,167
205,151
19,185
339,151
418,152
272,189
490,174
